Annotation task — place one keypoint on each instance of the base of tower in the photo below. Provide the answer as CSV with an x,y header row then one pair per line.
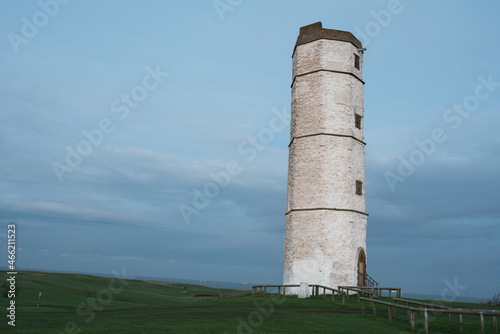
x,y
312,289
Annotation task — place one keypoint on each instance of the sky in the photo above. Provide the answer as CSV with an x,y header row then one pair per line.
x,y
117,118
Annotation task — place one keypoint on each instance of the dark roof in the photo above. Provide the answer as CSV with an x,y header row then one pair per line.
x,y
315,31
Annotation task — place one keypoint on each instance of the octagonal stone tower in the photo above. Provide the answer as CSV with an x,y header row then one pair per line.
x,y
325,229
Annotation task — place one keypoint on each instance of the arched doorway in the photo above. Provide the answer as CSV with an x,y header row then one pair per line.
x,y
361,268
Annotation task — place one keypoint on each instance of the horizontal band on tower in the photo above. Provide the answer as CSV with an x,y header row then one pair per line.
x,y
325,134
325,70
328,209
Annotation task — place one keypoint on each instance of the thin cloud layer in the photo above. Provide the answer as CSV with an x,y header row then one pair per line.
x,y
116,203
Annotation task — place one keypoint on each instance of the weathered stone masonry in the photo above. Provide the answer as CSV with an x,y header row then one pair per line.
x,y
325,228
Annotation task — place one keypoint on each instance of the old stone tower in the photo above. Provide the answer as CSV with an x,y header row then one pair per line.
x,y
325,229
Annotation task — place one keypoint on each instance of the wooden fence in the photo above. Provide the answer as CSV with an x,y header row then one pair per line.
x,y
262,289
412,308
439,309
316,290
376,291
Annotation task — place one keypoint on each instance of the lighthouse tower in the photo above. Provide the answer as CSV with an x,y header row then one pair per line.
x,y
325,229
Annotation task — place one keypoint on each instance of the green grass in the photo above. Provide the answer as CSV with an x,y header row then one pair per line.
x,y
137,307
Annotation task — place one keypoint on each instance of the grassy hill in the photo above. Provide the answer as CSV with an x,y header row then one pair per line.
x,y
72,303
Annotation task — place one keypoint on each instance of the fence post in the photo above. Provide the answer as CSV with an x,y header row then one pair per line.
x,y
451,321
390,314
412,321
495,327
375,310
333,296
482,323
284,287
265,290
343,299
461,323
363,308
426,321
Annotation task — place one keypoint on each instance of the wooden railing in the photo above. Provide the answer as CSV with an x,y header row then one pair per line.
x,y
375,291
414,302
262,289
440,309
370,282
316,290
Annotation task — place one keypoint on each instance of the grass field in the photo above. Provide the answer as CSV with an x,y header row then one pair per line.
x,y
87,304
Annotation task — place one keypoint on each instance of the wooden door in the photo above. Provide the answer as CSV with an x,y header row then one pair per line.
x,y
361,269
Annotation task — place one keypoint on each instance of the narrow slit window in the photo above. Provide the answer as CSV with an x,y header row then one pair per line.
x,y
357,121
359,188
356,61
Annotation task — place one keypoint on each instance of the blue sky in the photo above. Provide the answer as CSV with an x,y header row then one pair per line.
x,y
172,93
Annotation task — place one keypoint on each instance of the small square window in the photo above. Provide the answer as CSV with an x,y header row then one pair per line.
x,y
356,61
357,121
359,188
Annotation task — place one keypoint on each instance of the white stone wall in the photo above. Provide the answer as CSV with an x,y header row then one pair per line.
x,y
328,55
322,173
331,100
322,245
